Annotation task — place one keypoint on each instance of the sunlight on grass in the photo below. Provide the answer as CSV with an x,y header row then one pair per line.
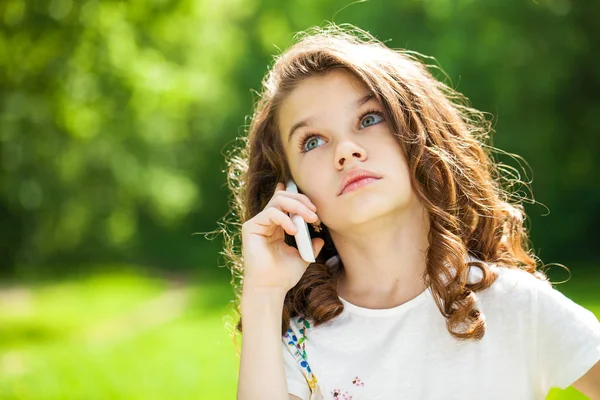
x,y
118,337
126,336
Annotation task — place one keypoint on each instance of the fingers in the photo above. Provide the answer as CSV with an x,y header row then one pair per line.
x,y
266,220
293,206
275,214
280,191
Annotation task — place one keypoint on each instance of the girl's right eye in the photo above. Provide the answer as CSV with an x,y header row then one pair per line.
x,y
309,142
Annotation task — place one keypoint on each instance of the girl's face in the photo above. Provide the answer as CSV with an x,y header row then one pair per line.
x,y
331,125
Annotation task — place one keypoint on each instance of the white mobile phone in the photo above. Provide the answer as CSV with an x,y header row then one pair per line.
x,y
302,236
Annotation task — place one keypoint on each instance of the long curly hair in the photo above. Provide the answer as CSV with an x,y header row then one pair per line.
x,y
473,213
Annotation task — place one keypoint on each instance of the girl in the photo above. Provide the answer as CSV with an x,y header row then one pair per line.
x,y
423,286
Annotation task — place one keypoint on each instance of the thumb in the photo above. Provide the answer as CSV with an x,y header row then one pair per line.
x,y
317,245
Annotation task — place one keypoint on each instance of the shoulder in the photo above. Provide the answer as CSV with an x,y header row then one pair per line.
x,y
512,284
521,292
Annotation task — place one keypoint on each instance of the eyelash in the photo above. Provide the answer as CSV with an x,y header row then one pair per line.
x,y
310,135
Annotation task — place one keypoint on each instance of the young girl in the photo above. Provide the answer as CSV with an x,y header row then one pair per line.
x,y
423,286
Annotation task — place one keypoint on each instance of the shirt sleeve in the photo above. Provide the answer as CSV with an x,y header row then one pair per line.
x,y
296,383
568,338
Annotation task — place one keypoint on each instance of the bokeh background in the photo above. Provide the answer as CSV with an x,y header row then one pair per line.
x,y
114,118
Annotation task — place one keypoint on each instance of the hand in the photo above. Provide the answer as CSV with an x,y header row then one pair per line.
x,y
270,263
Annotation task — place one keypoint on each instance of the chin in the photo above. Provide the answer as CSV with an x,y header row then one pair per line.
x,y
364,213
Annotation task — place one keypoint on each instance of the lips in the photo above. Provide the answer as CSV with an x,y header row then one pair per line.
x,y
355,176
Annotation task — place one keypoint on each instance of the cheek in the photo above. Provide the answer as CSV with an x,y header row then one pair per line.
x,y
395,155
396,166
315,183
403,175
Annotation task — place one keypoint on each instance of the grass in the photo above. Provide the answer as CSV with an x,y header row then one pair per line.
x,y
129,336
116,337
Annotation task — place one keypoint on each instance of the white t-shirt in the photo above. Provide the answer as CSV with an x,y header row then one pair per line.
x,y
536,338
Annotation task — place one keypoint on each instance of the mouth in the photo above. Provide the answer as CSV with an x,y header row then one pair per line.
x,y
357,180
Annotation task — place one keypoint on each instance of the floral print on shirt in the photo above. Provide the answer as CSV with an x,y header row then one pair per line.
x,y
357,382
296,342
298,350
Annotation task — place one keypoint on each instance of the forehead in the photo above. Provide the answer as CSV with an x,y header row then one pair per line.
x,y
313,95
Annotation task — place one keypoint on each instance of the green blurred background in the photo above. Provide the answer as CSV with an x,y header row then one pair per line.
x,y
114,117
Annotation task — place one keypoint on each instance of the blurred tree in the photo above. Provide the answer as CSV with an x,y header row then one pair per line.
x,y
114,115
111,115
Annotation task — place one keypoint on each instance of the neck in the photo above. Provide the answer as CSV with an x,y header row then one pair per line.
x,y
385,259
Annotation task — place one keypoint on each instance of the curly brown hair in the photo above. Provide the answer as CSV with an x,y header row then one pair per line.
x,y
471,209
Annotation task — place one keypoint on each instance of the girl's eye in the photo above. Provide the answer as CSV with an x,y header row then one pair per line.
x,y
371,118
309,143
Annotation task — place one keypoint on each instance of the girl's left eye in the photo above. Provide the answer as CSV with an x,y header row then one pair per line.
x,y
371,118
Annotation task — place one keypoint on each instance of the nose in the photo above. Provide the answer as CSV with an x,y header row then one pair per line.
x,y
348,150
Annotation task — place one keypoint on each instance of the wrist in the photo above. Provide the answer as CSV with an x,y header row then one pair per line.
x,y
262,298
251,289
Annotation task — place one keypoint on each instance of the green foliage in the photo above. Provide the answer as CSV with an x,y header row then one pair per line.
x,y
114,115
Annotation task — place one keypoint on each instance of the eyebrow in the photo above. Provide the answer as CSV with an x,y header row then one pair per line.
x,y
301,124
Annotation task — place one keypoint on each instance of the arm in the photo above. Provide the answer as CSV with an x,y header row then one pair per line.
x,y
262,371
271,269
589,384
